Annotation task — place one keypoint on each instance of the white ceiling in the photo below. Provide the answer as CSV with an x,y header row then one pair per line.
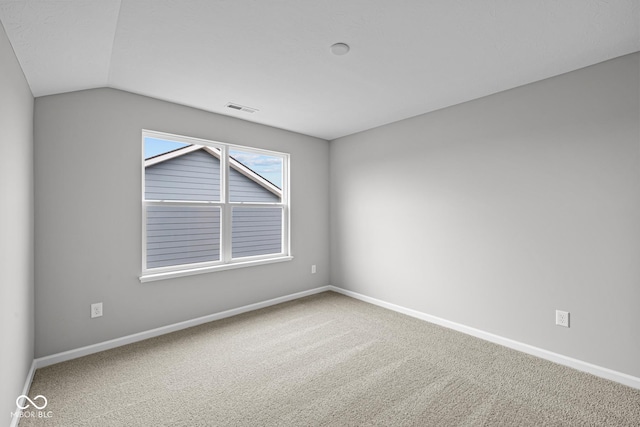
x,y
407,57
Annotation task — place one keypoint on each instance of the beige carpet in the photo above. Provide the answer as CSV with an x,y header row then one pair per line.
x,y
325,360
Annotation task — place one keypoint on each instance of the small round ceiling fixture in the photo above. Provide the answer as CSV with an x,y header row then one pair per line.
x,y
340,49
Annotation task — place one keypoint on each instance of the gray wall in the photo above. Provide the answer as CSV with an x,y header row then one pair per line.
x,y
88,222
496,212
16,229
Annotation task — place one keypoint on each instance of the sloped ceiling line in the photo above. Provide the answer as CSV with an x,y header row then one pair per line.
x,y
406,57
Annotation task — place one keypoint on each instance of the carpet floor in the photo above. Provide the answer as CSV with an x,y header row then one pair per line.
x,y
324,360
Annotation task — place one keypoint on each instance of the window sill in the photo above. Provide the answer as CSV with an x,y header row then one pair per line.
x,y
150,277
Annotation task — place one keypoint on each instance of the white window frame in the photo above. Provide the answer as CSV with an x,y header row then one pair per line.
x,y
226,261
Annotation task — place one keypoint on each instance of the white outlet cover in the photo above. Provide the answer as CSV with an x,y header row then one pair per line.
x,y
96,310
562,318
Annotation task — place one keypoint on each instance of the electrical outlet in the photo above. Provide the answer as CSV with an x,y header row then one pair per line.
x,y
562,318
96,310
313,269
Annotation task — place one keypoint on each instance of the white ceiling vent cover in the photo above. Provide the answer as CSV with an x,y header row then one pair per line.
x,y
239,107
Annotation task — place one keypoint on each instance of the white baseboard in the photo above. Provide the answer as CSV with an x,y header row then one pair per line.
x,y
599,371
580,365
25,391
117,342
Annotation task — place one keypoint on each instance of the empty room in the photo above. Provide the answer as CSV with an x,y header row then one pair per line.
x,y
320,213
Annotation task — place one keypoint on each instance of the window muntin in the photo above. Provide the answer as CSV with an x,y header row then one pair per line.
x,y
208,204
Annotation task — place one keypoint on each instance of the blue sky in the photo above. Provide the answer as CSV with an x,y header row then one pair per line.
x,y
270,167
155,146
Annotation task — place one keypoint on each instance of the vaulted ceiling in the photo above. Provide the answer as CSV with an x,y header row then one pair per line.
x,y
407,57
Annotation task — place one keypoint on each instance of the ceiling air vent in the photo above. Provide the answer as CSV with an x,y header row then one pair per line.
x,y
239,107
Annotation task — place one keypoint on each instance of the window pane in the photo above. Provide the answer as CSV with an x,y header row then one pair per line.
x,y
256,231
182,235
177,171
254,177
154,147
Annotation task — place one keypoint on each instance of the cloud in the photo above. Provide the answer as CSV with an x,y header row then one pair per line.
x,y
261,163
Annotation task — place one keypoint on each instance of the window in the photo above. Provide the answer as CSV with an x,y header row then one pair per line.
x,y
210,206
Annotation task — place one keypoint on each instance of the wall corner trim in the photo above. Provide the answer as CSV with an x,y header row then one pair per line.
x,y
41,362
570,362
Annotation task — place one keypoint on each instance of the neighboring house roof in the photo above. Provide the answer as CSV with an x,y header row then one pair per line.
x,y
236,165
